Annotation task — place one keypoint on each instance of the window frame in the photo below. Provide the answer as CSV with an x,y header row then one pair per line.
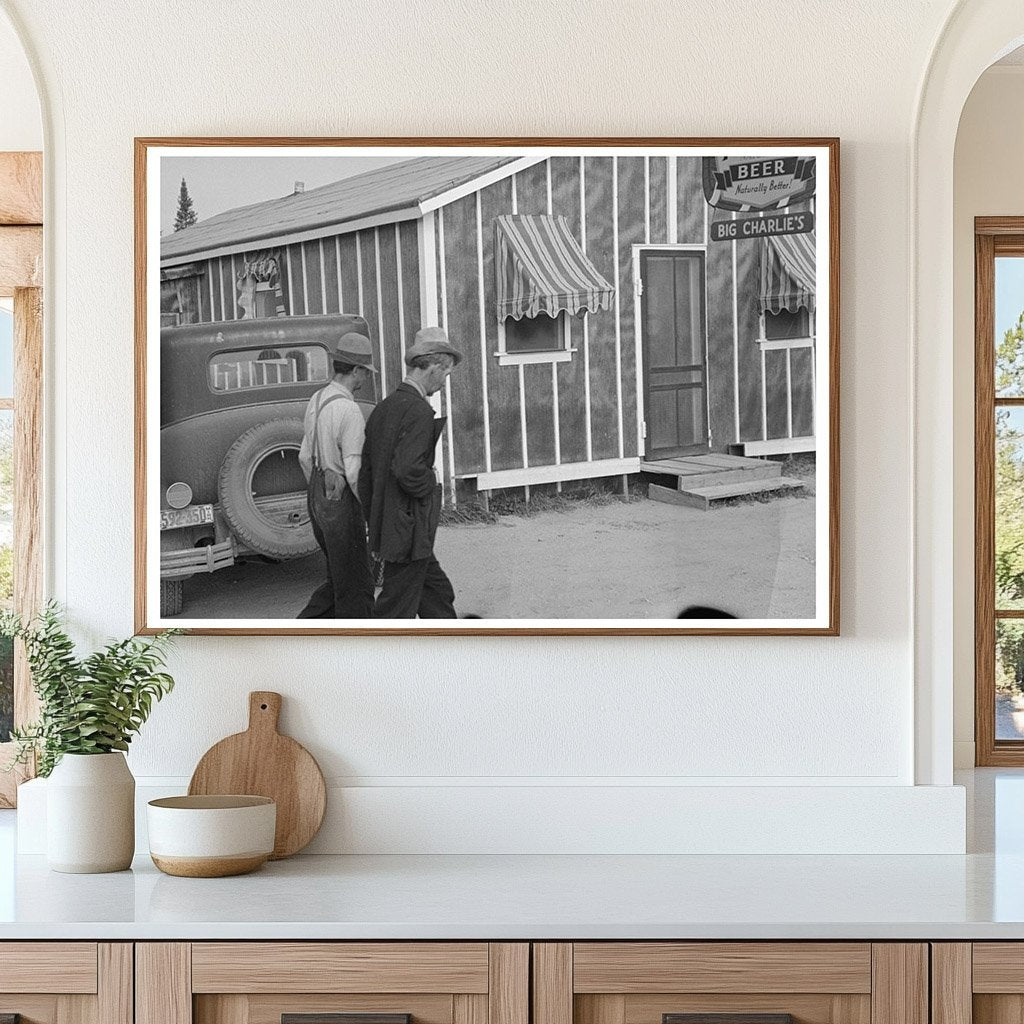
x,y
21,278
562,354
993,237
28,553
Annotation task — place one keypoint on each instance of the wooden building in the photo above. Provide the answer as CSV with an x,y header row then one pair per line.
x,y
599,323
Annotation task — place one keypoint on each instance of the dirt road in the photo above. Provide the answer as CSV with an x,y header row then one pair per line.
x,y
644,559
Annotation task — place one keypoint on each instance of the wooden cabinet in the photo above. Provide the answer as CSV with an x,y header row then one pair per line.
x,y
512,983
261,982
653,982
978,983
66,982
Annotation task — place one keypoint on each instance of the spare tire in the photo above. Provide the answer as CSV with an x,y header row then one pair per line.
x,y
263,493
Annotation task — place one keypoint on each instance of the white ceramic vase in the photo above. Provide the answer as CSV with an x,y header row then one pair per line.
x,y
90,814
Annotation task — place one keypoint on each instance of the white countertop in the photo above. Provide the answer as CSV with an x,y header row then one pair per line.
x,y
517,897
977,896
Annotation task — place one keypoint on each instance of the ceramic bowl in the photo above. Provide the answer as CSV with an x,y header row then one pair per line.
x,y
211,836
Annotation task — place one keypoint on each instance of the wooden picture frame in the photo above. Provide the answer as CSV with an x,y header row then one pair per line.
x,y
707,208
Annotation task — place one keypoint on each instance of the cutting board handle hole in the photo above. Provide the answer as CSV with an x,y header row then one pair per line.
x,y
263,707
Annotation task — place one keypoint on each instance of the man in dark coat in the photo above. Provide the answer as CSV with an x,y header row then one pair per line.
x,y
399,490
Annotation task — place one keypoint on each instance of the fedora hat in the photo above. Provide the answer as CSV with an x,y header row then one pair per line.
x,y
431,341
354,349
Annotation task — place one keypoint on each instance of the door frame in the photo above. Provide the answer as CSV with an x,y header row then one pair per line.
x,y
639,249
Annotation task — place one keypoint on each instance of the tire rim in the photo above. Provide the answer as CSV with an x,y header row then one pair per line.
x,y
295,520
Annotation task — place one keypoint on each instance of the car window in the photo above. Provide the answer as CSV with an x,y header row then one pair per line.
x,y
253,368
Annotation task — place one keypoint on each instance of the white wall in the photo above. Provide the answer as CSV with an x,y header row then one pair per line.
x,y
987,182
428,716
21,127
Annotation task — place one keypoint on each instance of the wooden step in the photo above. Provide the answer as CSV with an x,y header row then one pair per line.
x,y
708,470
704,498
764,471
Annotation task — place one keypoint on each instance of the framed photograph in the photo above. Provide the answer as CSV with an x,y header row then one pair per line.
x,y
498,386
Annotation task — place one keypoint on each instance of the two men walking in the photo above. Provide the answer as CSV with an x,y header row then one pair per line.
x,y
389,486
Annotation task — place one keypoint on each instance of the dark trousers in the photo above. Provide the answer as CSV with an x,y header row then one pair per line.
x,y
340,530
420,588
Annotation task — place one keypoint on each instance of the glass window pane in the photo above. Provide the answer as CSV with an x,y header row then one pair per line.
x,y
267,368
1009,512
659,311
689,319
6,353
1009,679
785,324
1009,327
533,334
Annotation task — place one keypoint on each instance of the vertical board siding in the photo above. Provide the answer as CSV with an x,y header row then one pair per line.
x,y
604,415
748,275
218,290
293,280
803,392
205,313
442,318
312,286
721,400
538,395
658,188
330,282
411,282
572,410
349,274
775,387
631,232
237,313
389,315
461,300
690,206
368,283
502,381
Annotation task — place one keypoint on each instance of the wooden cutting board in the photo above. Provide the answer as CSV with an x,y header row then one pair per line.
x,y
262,762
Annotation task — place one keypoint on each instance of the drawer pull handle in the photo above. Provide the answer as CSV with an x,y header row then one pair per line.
x,y
727,1018
340,1018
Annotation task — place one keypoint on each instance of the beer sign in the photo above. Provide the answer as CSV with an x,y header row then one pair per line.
x,y
740,184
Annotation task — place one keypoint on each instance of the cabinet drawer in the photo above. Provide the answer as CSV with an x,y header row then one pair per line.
x,y
64,967
730,983
340,967
980,982
634,967
66,982
332,983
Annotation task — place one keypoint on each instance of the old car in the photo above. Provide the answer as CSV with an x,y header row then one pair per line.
x,y
232,400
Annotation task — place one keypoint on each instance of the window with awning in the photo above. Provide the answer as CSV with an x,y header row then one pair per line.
x,y
541,268
787,274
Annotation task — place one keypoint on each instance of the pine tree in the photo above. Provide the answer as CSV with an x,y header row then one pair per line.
x,y
186,215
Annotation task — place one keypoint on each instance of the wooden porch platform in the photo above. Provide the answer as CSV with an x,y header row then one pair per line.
x,y
702,481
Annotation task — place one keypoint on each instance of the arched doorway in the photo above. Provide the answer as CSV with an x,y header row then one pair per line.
x,y
977,33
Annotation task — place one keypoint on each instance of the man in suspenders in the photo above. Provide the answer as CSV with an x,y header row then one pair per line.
x,y
330,457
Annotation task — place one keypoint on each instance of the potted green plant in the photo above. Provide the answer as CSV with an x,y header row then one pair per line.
x,y
89,710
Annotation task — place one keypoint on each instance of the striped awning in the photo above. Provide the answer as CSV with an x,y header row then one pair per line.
x,y
539,268
787,273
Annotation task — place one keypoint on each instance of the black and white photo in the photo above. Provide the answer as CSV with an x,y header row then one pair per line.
x,y
585,386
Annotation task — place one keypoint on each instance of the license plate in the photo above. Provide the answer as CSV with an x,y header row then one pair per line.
x,y
193,515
